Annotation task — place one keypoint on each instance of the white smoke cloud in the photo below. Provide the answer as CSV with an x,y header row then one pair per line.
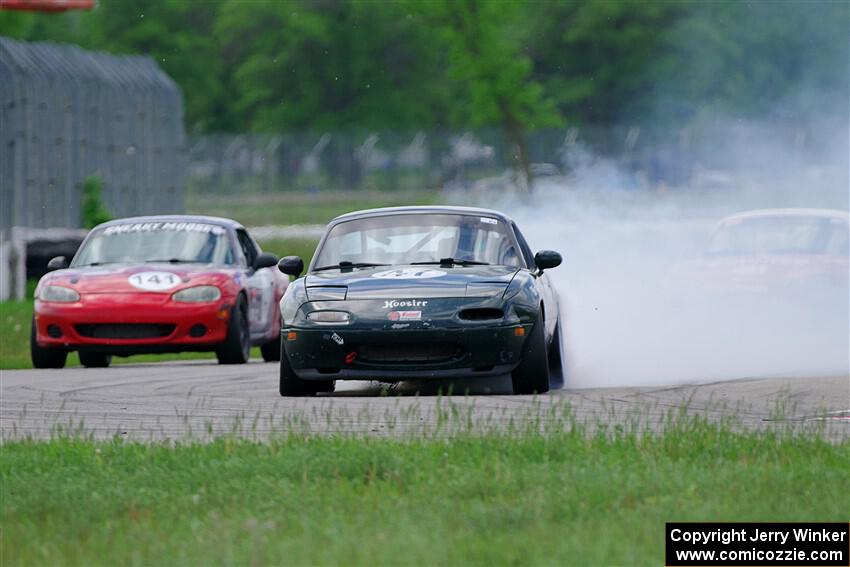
x,y
628,321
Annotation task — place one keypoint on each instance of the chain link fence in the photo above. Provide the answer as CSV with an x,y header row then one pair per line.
x,y
68,114
644,157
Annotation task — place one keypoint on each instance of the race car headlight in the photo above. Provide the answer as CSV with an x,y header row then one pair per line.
x,y
58,293
513,289
291,302
197,294
485,289
327,293
329,317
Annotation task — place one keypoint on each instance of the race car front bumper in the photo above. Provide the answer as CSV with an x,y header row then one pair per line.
x,y
125,324
351,354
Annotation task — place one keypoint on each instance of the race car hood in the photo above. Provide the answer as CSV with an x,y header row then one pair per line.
x,y
135,278
760,272
414,282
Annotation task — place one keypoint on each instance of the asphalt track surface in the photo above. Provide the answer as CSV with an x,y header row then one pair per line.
x,y
200,400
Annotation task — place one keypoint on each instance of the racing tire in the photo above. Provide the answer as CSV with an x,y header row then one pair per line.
x,y
94,359
293,386
271,350
556,364
236,348
45,357
532,374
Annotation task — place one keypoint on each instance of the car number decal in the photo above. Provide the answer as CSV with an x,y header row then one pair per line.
x,y
154,281
408,274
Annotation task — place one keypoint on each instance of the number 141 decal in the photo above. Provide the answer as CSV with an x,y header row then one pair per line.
x,y
154,281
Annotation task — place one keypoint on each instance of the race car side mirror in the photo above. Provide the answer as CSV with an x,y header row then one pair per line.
x,y
57,263
264,260
546,259
291,265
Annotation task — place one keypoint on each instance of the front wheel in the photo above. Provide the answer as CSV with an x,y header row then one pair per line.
x,y
45,357
532,374
236,348
94,359
556,363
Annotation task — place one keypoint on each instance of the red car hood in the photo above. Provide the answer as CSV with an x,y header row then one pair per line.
x,y
761,273
120,278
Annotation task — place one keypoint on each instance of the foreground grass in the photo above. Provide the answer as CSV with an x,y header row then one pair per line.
x,y
301,207
533,498
16,317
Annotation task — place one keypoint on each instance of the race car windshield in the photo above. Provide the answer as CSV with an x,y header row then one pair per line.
x,y
418,239
156,242
780,235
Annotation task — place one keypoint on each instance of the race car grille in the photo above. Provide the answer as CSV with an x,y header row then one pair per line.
x,y
124,330
408,353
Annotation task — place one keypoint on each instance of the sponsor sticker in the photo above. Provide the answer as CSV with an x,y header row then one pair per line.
x,y
394,303
489,220
404,315
154,281
337,339
408,274
161,226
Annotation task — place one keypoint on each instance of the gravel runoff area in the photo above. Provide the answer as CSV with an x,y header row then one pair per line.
x,y
200,399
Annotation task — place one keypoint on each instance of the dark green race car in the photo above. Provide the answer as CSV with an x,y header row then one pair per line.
x,y
420,292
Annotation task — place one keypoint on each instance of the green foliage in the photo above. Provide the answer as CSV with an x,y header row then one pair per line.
x,y
267,65
529,498
93,208
594,58
329,65
755,59
484,45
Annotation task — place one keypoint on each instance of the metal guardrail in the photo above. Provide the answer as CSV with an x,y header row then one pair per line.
x,y
68,114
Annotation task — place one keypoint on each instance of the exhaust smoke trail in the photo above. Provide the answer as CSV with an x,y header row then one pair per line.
x,y
632,319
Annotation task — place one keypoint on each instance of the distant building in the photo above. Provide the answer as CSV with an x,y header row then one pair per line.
x,y
68,114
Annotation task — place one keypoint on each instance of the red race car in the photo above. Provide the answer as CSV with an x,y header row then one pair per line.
x,y
159,284
774,250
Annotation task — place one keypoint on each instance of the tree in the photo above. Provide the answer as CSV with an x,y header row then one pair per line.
x,y
485,46
748,59
593,57
93,209
329,65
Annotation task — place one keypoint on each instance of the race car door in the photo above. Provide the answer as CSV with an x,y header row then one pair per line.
x,y
260,287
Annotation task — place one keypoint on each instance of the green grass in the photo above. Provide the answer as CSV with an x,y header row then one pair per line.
x,y
15,318
291,247
522,498
301,207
